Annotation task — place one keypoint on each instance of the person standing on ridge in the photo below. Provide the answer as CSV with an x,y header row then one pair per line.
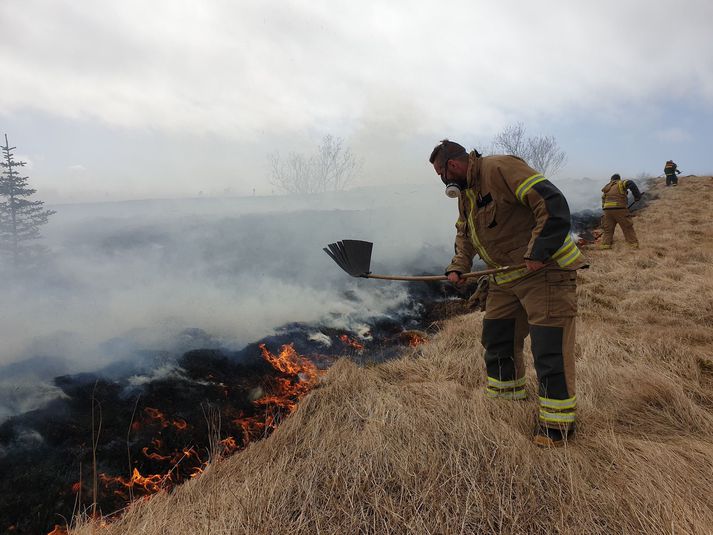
x,y
615,204
510,214
671,170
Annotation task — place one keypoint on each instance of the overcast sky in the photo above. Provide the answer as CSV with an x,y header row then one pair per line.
x,y
136,99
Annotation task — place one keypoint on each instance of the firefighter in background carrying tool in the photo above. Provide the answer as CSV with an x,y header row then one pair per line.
x,y
615,205
510,213
671,171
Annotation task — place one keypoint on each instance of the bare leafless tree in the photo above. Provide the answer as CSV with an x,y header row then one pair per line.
x,y
331,168
512,140
291,174
546,155
543,153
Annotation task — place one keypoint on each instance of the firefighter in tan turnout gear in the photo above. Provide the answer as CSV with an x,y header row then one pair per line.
x,y
510,214
615,205
671,171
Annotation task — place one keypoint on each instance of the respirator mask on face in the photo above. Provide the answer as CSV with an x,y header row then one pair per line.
x,y
453,190
453,185
450,152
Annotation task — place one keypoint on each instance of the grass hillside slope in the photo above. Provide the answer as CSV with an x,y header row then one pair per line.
x,y
414,446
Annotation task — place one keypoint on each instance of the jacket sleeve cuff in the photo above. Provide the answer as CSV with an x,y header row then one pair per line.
x,y
529,256
455,267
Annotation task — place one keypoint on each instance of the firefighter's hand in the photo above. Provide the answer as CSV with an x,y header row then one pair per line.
x,y
455,278
534,265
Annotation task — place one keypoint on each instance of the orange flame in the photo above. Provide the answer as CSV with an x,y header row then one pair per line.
x,y
304,375
179,424
297,375
229,445
197,471
251,427
351,342
151,483
154,455
58,530
413,338
155,414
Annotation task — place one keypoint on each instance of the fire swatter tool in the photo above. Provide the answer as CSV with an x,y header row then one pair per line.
x,y
354,257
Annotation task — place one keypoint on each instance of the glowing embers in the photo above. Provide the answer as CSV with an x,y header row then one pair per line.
x,y
351,342
161,465
228,445
412,338
126,488
149,433
163,421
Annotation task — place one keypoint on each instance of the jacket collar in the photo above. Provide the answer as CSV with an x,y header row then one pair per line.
x,y
473,174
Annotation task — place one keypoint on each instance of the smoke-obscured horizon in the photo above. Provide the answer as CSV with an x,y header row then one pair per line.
x,y
127,278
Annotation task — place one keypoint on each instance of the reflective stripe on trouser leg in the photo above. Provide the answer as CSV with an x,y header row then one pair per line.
x,y
499,341
558,402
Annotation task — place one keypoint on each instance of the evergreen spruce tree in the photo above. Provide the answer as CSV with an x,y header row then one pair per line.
x,y
20,218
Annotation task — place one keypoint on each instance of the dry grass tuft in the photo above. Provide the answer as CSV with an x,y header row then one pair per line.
x,y
412,445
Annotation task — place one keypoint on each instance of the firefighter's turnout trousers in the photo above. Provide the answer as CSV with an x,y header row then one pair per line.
x,y
671,179
618,216
543,305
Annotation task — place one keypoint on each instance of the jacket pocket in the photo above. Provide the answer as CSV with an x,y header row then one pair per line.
x,y
486,217
561,293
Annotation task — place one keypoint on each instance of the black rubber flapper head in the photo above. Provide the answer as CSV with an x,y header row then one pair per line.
x,y
353,256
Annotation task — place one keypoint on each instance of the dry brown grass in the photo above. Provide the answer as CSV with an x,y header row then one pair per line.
x,y
413,446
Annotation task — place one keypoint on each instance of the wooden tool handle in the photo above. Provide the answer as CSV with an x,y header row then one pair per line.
x,y
430,278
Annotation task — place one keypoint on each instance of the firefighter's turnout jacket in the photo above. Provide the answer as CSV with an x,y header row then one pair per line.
x,y
671,171
508,213
615,202
615,194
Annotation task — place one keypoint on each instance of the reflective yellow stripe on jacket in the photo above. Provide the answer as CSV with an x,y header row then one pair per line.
x,y
565,256
568,253
510,276
473,231
526,186
621,186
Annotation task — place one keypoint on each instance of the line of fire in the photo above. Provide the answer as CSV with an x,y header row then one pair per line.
x,y
109,441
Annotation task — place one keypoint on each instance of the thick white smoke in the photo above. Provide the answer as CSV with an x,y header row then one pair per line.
x,y
131,277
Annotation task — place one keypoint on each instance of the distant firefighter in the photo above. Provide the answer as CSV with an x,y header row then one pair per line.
x,y
616,212
671,170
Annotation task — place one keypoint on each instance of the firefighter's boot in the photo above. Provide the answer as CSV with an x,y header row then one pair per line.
x,y
546,437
